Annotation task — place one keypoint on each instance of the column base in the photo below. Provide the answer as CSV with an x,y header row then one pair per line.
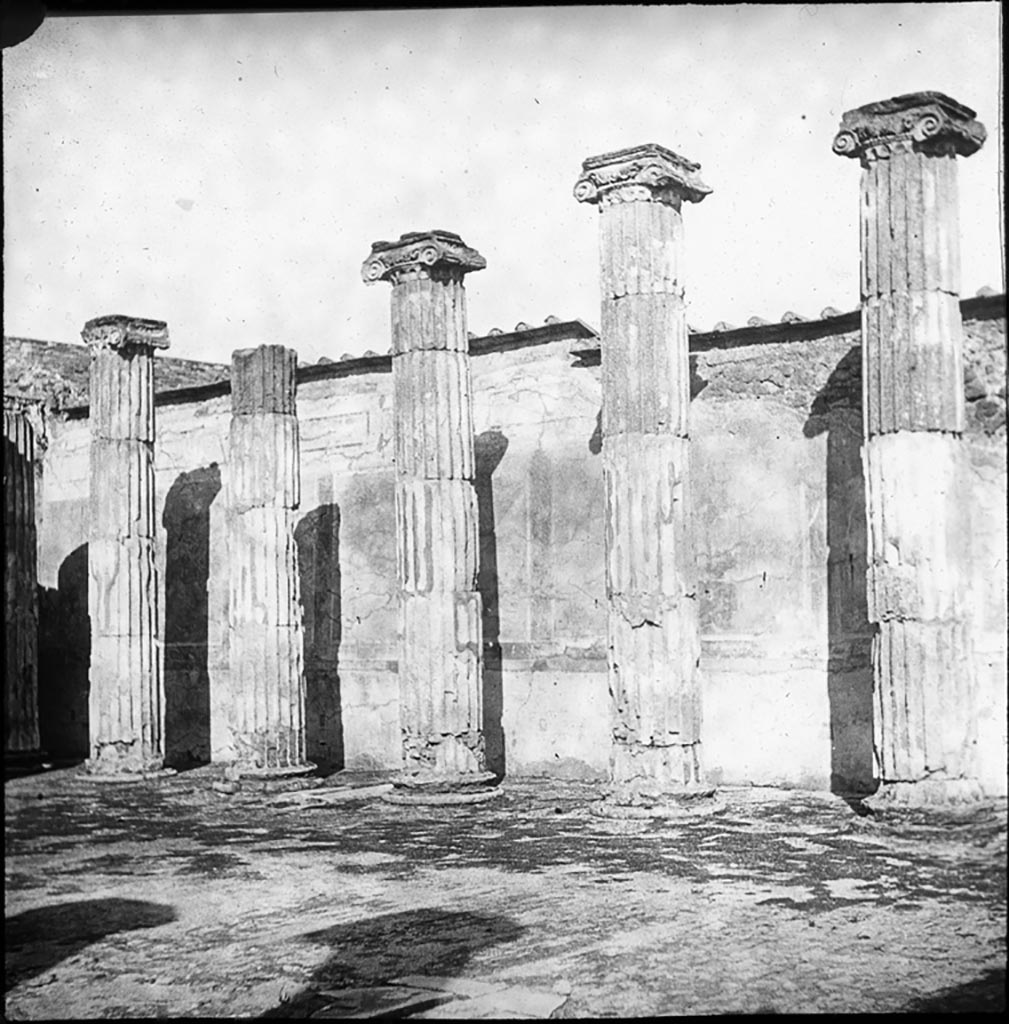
x,y
96,773
656,782
436,789
240,771
123,760
925,794
689,804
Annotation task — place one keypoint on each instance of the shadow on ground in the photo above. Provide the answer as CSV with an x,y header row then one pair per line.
x,y
984,994
429,941
38,939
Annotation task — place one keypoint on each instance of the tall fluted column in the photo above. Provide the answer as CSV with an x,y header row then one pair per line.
x,y
126,702
654,643
436,516
266,632
914,458
21,718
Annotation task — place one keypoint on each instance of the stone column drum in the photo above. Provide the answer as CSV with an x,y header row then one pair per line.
x,y
914,457
266,633
126,701
436,517
654,644
21,719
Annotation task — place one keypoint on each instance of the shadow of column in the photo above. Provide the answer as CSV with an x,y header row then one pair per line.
x,y
837,410
37,940
489,450
317,537
983,994
372,952
186,519
65,661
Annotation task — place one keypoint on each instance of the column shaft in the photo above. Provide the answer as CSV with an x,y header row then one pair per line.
x,y
264,609
126,700
21,723
440,681
436,516
913,457
654,644
912,332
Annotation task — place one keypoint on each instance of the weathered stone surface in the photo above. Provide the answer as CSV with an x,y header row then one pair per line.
x,y
918,561
418,254
21,723
915,462
910,286
126,703
779,512
441,699
465,987
266,635
919,549
649,172
377,1002
512,1003
761,906
928,121
654,643
654,349
432,388
985,378
58,373
263,381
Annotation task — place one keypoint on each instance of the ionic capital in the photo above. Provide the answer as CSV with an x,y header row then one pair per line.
x,y
928,122
123,332
648,173
421,253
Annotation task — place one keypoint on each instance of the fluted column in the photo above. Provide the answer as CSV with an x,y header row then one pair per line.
x,y
21,718
266,634
654,644
914,457
126,701
436,517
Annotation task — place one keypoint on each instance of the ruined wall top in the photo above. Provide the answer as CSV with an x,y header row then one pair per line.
x,y
649,173
929,122
427,252
263,380
119,332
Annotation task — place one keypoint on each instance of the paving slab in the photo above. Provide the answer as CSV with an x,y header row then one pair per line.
x,y
524,1003
378,1002
464,987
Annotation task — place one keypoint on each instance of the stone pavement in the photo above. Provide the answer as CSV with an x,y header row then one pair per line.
x,y
177,899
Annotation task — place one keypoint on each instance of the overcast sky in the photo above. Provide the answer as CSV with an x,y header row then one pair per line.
x,y
228,173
